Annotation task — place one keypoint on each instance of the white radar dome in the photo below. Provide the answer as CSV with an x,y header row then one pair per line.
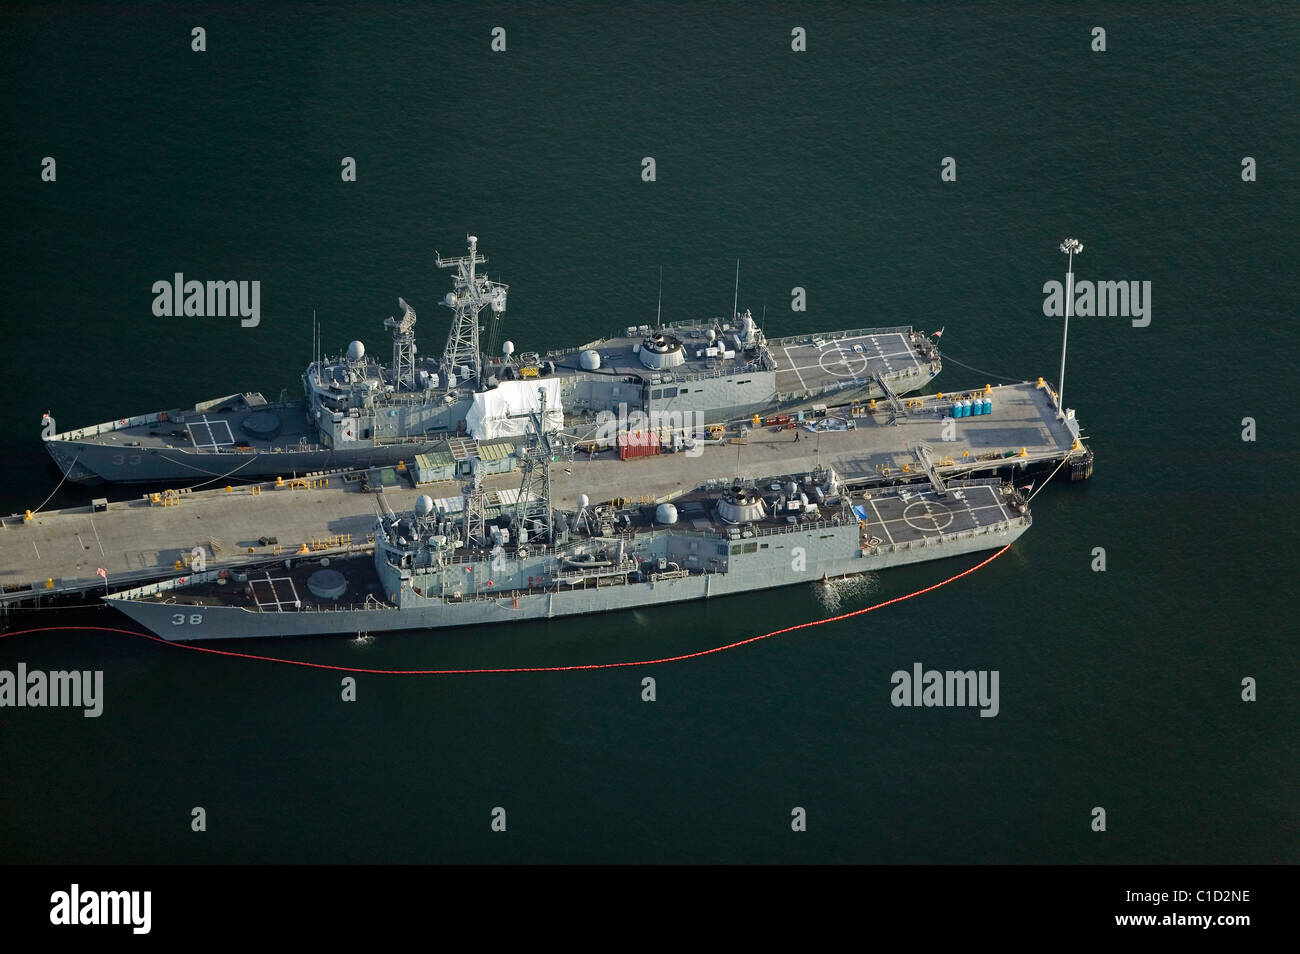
x,y
583,501
424,505
356,351
508,348
590,360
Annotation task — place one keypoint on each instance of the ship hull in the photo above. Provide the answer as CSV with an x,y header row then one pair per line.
x,y
825,559
92,464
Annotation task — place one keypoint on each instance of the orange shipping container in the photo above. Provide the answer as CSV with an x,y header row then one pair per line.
x,y
645,444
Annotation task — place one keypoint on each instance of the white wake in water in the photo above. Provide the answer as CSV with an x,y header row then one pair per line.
x,y
846,593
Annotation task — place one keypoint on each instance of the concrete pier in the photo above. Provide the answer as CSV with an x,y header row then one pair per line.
x,y
145,539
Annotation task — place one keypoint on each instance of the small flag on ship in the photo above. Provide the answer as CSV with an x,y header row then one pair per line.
x,y
100,571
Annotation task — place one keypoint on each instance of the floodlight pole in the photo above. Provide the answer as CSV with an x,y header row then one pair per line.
x,y
1069,247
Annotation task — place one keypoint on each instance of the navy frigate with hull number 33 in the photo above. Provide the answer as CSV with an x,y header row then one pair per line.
x,y
358,413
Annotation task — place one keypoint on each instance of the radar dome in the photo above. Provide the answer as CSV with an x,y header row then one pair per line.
x,y
583,501
450,300
356,351
508,348
666,513
590,360
424,505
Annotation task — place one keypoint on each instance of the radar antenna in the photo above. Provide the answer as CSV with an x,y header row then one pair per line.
x,y
403,346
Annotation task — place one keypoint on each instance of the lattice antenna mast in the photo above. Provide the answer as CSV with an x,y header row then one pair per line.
x,y
475,505
403,346
535,464
472,293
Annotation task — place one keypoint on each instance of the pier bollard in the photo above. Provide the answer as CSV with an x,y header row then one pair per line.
x,y
27,518
49,583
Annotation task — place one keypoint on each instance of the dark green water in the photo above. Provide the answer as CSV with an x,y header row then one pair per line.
x,y
1118,689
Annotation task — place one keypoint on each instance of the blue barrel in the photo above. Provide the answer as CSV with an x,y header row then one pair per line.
x,y
956,408
976,407
965,408
988,405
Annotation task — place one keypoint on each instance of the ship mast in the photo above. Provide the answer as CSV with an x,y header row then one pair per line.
x,y
403,346
472,294
475,500
535,455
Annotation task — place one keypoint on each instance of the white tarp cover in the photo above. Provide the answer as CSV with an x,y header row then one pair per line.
x,y
495,413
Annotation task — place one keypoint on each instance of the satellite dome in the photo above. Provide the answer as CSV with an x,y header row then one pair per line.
x,y
583,501
508,348
424,505
450,300
590,360
356,351
666,513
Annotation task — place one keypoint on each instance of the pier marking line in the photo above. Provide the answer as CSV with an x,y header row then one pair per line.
x,y
97,540
525,669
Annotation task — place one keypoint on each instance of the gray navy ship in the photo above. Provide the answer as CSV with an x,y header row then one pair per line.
x,y
477,559
358,413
